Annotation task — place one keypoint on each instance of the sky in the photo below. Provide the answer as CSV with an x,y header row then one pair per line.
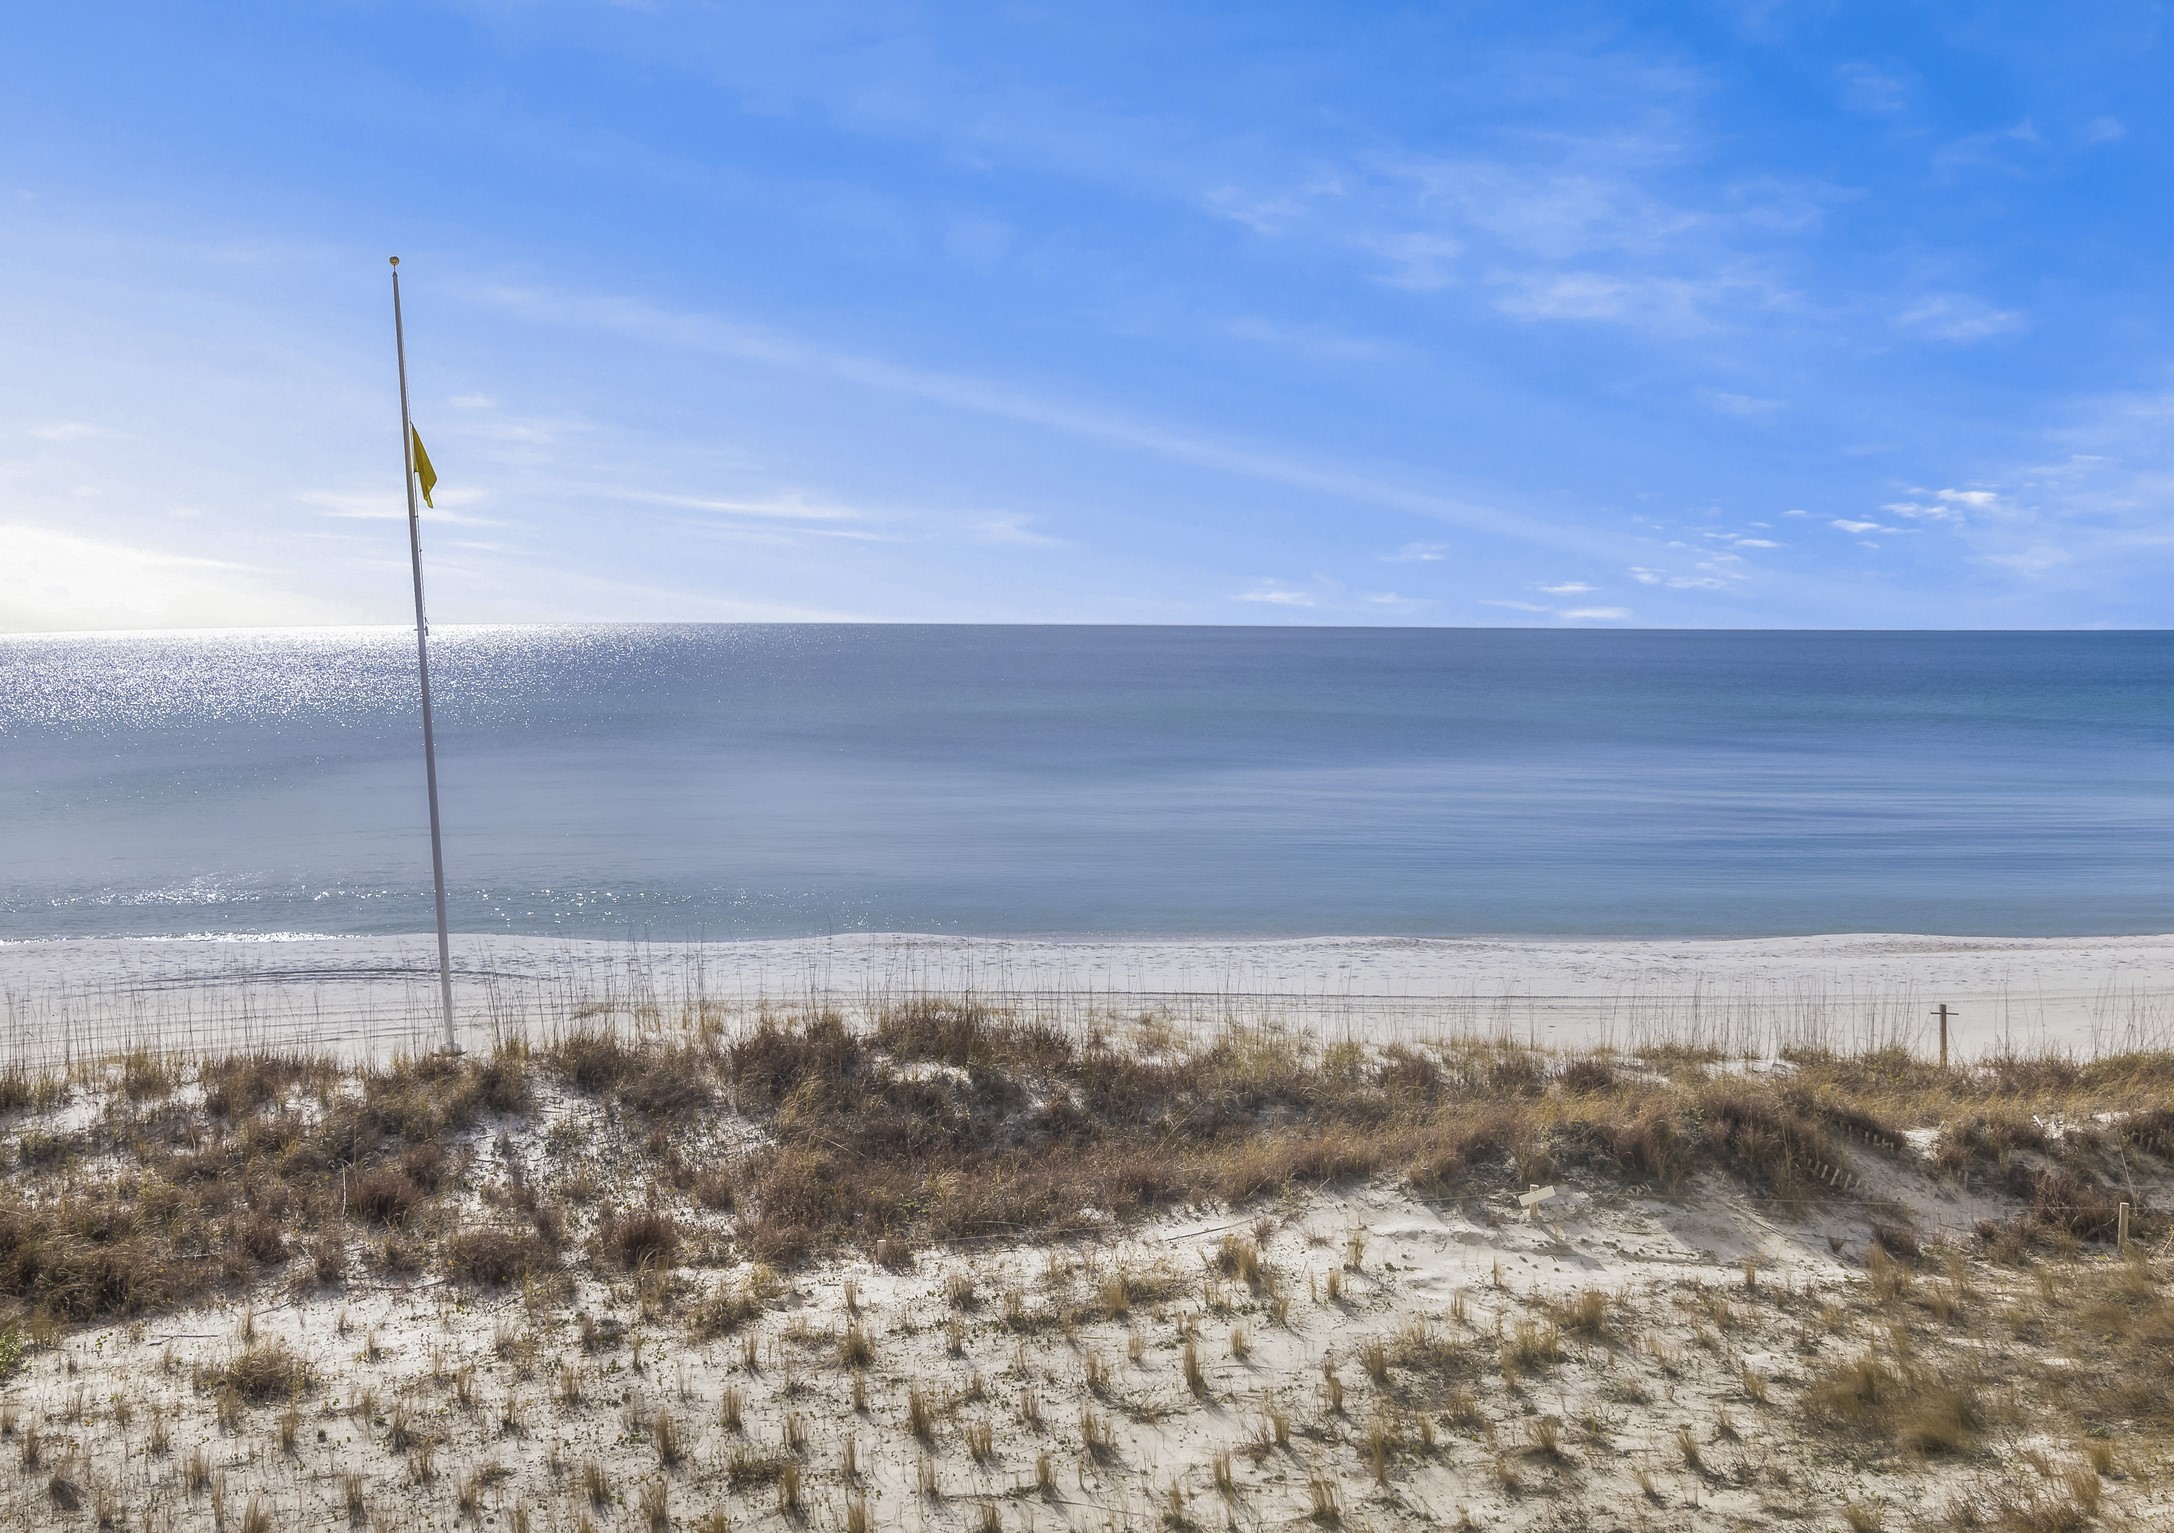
x,y
1717,313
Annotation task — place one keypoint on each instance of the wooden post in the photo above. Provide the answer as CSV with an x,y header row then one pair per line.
x,y
2121,1234
1942,1014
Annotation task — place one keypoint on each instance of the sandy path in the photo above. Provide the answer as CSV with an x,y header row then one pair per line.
x,y
365,994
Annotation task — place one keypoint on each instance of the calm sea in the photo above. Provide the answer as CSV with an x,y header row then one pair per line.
x,y
721,780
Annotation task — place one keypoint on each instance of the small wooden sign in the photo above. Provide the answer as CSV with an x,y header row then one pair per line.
x,y
1533,1199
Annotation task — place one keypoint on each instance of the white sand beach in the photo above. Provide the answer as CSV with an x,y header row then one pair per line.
x,y
361,995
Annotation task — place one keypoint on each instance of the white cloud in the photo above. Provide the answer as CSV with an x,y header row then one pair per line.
x,y
1268,216
1420,263
2104,130
373,506
1957,317
1013,528
1419,553
1569,588
1308,340
715,336
1589,225
1871,91
1569,295
1673,304
2098,513
70,431
789,508
1717,576
1743,406
1998,149
1564,614
61,581
1943,505
1276,596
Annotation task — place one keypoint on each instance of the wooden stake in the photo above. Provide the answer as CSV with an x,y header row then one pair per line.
x,y
1942,1014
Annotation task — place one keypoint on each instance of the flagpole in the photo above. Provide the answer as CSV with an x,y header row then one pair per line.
x,y
422,666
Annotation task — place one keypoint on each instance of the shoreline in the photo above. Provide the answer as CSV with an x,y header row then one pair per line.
x,y
65,998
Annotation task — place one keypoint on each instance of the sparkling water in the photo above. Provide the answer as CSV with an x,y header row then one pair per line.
x,y
787,779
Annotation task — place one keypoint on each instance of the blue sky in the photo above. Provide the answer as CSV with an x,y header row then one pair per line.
x,y
1735,314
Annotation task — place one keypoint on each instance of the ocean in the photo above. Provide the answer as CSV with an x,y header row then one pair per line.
x,y
725,780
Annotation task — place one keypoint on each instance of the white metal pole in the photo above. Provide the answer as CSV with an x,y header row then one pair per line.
x,y
422,666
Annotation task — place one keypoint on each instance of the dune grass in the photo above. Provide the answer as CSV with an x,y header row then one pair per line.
x,y
774,1265
947,1122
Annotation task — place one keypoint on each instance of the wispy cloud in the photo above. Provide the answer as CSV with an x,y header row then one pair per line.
x,y
709,333
788,508
1564,614
1942,505
1014,529
1957,317
1276,596
65,581
373,506
2091,514
1708,575
1418,263
1872,90
1995,148
1729,538
1670,303
1742,406
1569,225
1458,293
1312,341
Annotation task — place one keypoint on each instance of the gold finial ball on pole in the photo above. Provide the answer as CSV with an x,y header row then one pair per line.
x,y
396,260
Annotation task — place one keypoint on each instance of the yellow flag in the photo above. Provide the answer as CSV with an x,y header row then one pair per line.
x,y
423,471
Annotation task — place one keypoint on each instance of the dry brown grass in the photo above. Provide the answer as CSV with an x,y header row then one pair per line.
x,y
258,1374
641,1239
1915,1406
949,1121
495,1257
208,1196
